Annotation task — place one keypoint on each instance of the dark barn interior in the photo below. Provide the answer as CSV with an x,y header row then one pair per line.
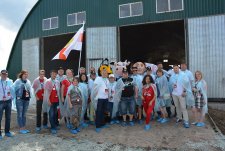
x,y
157,42
52,45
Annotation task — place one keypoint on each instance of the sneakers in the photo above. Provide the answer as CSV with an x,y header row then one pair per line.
x,y
23,132
84,125
73,131
78,129
140,122
117,121
147,127
27,131
178,120
69,126
186,124
105,126
112,122
200,124
160,119
53,131
131,123
38,129
164,120
124,124
45,126
98,130
58,127
9,134
194,123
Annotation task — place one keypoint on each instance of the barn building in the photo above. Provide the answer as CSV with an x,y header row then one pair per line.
x,y
153,30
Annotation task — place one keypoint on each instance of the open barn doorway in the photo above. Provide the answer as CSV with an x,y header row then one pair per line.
x,y
156,42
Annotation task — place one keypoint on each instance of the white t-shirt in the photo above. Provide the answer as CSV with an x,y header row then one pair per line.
x,y
178,89
103,87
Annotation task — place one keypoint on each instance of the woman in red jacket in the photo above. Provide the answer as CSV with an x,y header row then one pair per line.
x,y
148,97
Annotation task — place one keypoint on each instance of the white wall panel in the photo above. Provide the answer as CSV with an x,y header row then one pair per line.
x,y
206,38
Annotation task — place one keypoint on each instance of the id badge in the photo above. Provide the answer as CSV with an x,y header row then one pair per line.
x,y
106,91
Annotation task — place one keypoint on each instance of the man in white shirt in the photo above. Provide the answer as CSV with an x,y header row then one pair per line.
x,y
177,81
101,83
6,96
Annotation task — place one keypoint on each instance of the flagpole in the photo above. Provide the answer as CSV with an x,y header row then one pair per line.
x,y
79,64
80,58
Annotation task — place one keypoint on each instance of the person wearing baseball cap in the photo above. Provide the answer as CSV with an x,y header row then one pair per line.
x,y
129,93
6,101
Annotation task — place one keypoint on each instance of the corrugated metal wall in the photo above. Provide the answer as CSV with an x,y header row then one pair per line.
x,y
206,38
101,43
30,57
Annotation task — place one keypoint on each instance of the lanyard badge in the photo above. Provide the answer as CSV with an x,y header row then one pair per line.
x,y
4,90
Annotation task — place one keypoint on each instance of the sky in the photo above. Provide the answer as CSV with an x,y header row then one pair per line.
x,y
12,15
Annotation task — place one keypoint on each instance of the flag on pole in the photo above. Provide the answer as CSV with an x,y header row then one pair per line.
x,y
74,44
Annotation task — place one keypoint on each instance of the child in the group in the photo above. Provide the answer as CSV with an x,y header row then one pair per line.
x,y
112,103
148,97
74,105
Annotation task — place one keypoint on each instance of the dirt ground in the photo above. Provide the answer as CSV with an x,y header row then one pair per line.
x,y
219,118
166,137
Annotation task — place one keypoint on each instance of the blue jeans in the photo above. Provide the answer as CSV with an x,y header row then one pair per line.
x,y
6,105
53,115
21,106
127,104
100,112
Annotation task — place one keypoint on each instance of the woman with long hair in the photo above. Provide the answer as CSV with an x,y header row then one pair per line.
x,y
200,94
23,89
149,97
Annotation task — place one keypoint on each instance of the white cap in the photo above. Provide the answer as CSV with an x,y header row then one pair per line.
x,y
111,76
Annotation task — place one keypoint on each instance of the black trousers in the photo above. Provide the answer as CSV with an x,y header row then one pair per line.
x,y
100,112
5,105
39,112
168,110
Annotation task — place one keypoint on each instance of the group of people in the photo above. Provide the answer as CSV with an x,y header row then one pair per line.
x,y
102,98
